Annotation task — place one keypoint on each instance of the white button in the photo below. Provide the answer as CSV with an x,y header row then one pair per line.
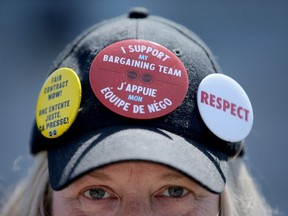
x,y
225,107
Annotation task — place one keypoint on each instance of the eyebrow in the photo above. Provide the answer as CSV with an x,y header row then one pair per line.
x,y
100,176
172,176
166,176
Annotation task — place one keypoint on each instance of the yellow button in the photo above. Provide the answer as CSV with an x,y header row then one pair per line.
x,y
58,103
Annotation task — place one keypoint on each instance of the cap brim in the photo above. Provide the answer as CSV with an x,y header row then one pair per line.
x,y
116,144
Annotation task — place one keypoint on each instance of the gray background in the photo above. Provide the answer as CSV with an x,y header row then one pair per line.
x,y
249,38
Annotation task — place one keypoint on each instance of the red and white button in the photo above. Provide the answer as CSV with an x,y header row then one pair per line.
x,y
139,79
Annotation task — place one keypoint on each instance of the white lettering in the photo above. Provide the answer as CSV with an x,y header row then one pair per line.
x,y
148,50
170,71
141,90
114,99
138,109
158,106
129,62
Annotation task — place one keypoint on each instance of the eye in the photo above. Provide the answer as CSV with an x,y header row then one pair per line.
x,y
175,191
96,193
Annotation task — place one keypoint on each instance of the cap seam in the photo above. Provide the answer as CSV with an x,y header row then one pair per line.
x,y
188,36
137,29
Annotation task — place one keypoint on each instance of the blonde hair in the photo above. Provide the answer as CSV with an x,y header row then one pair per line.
x,y
241,196
33,196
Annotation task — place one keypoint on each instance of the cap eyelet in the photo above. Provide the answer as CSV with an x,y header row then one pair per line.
x,y
177,52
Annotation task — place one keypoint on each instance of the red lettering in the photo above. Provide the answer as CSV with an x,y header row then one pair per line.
x,y
204,97
226,105
246,114
219,103
212,100
233,109
239,113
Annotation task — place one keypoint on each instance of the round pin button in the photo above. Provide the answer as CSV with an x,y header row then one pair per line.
x,y
139,79
58,103
225,107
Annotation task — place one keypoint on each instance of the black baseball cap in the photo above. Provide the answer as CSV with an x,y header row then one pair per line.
x,y
128,89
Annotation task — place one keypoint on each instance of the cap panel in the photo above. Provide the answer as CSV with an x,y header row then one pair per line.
x,y
191,53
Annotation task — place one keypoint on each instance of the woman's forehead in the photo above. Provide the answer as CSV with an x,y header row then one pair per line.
x,y
136,167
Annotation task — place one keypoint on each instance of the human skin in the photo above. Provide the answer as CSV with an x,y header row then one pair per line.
x,y
134,188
